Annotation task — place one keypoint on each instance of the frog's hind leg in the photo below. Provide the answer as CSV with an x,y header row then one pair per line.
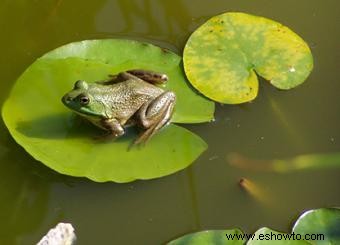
x,y
149,76
111,80
120,77
146,76
155,114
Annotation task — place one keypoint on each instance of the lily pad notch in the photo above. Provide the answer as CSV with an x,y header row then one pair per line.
x,y
222,57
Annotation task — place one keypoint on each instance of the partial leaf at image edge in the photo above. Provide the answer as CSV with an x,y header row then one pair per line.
x,y
323,221
267,236
216,237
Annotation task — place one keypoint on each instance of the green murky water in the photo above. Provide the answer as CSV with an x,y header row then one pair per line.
x,y
205,196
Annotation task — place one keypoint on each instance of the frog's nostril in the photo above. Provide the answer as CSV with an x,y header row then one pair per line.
x,y
66,99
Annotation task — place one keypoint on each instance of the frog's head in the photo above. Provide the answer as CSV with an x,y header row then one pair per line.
x,y
81,101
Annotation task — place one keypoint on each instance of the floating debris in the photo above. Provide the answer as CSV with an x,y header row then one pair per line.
x,y
253,189
62,234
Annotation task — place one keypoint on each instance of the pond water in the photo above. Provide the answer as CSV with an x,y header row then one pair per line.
x,y
276,125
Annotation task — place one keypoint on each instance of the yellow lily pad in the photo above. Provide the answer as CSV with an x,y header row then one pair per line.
x,y
222,57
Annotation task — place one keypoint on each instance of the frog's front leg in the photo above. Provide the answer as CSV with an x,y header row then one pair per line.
x,y
154,114
113,126
147,76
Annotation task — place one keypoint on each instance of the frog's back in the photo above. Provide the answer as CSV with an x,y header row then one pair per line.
x,y
139,87
125,98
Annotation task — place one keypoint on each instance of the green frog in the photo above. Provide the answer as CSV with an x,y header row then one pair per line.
x,y
128,98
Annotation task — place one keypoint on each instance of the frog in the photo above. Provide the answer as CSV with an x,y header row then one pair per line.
x,y
132,97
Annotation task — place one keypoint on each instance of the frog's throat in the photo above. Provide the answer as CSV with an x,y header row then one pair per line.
x,y
88,113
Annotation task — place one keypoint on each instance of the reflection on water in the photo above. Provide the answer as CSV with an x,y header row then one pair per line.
x,y
148,18
24,196
297,163
24,192
256,191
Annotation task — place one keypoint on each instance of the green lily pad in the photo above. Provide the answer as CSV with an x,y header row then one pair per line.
x,y
222,56
127,54
308,229
216,237
52,134
266,236
323,223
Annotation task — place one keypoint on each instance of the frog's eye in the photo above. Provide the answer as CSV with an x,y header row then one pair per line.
x,y
84,100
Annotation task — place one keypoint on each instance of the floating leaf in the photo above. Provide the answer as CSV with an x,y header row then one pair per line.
x,y
126,54
308,229
222,55
215,237
266,236
323,224
52,134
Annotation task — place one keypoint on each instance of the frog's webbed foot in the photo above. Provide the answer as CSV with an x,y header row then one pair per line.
x,y
155,114
107,136
113,129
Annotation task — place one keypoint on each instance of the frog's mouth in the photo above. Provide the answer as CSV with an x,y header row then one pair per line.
x,y
85,111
